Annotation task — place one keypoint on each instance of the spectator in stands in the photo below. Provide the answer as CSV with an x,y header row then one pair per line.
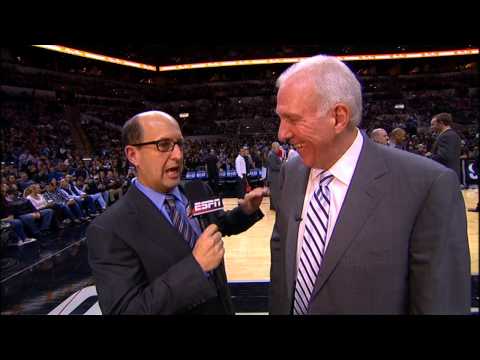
x,y
102,187
91,188
12,182
24,210
81,198
380,136
81,171
7,216
68,206
31,171
55,172
114,186
24,182
447,148
42,175
398,136
33,193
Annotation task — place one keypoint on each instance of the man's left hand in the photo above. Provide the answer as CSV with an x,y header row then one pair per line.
x,y
251,202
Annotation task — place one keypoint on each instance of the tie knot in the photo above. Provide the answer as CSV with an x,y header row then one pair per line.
x,y
325,178
170,199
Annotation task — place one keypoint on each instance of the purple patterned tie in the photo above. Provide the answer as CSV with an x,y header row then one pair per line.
x,y
180,222
313,247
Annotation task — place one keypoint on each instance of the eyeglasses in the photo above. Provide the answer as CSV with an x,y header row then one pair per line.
x,y
164,145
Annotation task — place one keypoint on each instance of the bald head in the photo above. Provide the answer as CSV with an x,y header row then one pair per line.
x,y
134,129
398,135
380,136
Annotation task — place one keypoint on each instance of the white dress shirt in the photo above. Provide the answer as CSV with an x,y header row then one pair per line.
x,y
240,166
342,171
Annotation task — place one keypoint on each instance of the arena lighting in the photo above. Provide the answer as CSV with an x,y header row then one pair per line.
x,y
99,57
393,56
184,115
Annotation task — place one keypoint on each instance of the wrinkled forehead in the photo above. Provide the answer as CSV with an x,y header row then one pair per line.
x,y
296,94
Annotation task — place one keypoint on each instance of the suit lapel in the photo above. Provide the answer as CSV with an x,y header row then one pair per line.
x,y
363,196
295,200
150,220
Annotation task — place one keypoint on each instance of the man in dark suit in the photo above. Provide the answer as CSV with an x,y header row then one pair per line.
x,y
360,228
147,255
212,168
398,138
447,147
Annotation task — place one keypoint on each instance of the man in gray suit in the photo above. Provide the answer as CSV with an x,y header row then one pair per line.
x,y
274,163
448,146
360,228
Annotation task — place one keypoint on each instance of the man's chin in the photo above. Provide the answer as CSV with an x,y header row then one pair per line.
x,y
172,182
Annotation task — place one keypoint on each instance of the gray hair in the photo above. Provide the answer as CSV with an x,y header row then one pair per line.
x,y
334,82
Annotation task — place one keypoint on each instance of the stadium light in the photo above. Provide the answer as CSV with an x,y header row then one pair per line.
x,y
89,55
216,64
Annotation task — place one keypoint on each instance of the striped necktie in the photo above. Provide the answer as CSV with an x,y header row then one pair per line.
x,y
180,222
313,247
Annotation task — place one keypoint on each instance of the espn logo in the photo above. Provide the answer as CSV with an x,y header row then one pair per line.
x,y
207,206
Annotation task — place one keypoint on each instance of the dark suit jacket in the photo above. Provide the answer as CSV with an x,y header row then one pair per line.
x,y
212,169
142,265
447,149
399,244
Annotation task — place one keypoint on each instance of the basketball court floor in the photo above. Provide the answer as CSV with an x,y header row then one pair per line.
x,y
247,255
55,288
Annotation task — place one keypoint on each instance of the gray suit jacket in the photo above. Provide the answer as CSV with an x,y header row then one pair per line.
x,y
274,165
399,245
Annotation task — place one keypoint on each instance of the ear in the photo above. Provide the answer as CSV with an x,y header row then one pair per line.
x,y
132,154
342,115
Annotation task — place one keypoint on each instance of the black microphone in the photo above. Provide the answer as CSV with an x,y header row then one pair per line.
x,y
202,204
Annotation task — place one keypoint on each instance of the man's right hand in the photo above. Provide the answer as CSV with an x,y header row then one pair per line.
x,y
208,250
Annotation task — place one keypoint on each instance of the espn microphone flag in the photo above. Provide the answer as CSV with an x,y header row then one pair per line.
x,y
204,205
207,206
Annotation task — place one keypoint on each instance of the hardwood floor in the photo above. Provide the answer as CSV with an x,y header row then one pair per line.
x,y
247,255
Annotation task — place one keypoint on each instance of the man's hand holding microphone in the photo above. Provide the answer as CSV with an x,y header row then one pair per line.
x,y
208,250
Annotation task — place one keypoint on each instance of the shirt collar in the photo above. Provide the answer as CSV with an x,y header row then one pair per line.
x,y
345,166
158,197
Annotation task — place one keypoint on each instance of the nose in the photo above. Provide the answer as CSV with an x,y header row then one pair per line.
x,y
177,152
284,133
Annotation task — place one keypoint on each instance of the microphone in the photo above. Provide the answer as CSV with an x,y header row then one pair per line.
x,y
202,204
